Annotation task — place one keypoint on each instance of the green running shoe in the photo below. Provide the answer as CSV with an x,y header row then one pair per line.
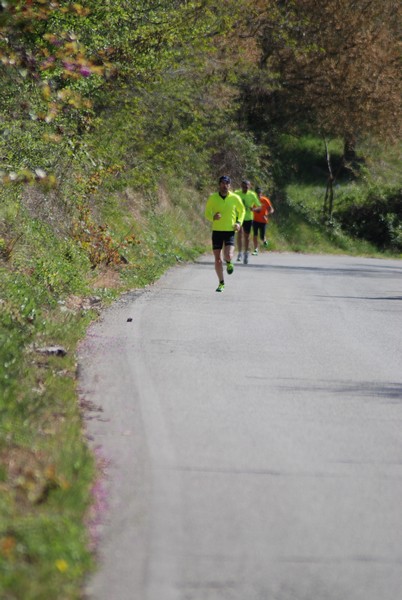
x,y
229,268
220,287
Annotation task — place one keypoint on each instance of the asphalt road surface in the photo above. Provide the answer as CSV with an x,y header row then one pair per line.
x,y
252,439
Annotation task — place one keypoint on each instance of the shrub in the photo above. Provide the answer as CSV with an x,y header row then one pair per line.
x,y
378,219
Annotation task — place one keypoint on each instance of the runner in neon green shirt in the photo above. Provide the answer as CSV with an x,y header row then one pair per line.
x,y
250,200
226,212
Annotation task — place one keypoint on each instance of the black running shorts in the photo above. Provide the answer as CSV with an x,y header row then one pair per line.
x,y
259,227
247,226
222,237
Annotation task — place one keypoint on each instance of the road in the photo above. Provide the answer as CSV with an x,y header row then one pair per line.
x,y
253,439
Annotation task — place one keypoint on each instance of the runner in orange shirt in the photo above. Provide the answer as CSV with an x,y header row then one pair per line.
x,y
260,219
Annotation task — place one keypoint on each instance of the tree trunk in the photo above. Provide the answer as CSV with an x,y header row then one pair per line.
x,y
349,149
329,192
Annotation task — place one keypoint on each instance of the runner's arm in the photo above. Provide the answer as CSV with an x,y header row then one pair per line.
x,y
209,210
240,212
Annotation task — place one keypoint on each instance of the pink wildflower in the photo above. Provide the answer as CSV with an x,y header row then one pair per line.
x,y
85,71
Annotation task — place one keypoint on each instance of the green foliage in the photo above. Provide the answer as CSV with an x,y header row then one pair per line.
x,y
367,215
297,225
377,218
237,153
16,330
303,160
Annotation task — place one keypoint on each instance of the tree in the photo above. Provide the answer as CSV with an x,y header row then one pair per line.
x,y
337,74
68,63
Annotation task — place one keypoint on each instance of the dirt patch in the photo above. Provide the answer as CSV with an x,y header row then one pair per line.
x,y
48,207
164,202
28,475
135,204
108,278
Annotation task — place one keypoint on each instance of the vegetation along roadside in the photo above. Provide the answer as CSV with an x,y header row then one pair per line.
x,y
115,125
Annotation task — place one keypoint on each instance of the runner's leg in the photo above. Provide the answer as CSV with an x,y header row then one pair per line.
x,y
218,264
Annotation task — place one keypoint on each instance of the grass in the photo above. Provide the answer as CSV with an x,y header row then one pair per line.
x,y
47,472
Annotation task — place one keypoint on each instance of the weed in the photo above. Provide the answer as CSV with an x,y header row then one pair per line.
x,y
7,246
97,241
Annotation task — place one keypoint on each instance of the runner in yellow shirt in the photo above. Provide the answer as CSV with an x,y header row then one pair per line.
x,y
226,212
250,200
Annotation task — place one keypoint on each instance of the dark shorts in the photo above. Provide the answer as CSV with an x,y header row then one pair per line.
x,y
219,238
247,226
259,227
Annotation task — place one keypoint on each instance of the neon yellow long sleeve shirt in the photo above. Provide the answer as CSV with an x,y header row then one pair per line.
x,y
249,199
231,208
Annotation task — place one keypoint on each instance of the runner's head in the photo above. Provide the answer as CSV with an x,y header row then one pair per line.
x,y
245,185
258,191
224,185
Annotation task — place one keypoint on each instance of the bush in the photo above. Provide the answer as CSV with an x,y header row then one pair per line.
x,y
378,219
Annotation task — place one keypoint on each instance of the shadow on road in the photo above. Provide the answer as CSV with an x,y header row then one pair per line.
x,y
357,270
368,389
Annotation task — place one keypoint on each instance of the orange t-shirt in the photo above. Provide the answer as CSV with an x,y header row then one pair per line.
x,y
262,215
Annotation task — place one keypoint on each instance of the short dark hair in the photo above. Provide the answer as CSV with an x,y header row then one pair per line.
x,y
246,182
224,178
258,189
